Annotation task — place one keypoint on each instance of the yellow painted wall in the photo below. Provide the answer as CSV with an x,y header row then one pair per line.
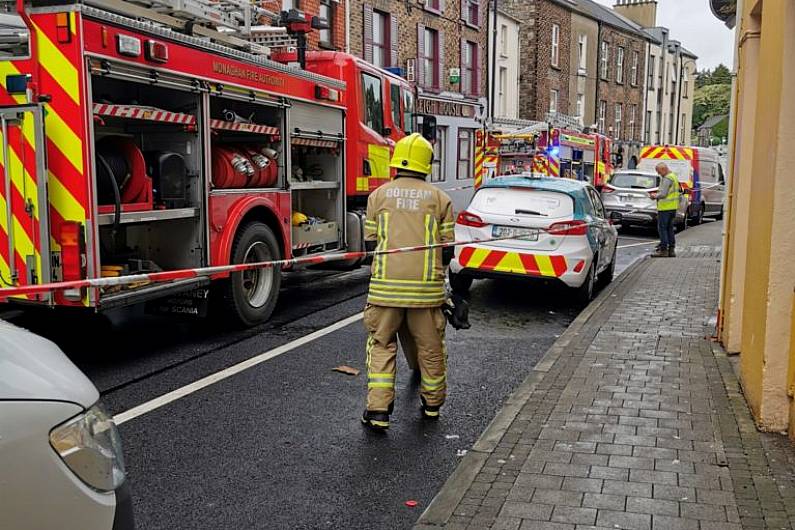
x,y
769,275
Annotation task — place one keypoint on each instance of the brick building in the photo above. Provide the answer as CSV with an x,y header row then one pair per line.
x,y
440,45
331,10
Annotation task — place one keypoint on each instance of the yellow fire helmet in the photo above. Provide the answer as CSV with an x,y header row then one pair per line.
x,y
299,218
413,153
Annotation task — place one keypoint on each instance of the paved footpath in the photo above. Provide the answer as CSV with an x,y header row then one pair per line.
x,y
634,419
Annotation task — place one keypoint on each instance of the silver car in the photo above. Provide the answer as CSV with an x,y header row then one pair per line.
x,y
61,463
628,199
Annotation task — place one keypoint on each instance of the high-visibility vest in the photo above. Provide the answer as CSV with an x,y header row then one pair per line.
x,y
408,212
670,201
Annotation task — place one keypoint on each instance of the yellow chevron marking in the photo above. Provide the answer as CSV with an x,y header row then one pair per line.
x,y
21,179
65,139
544,264
64,202
57,65
477,258
511,263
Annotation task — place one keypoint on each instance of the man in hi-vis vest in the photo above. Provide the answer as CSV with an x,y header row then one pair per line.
x,y
407,287
667,203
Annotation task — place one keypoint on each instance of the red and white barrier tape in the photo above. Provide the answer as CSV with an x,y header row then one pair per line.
x,y
183,274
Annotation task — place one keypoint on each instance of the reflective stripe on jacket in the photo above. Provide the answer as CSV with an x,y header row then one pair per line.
x,y
671,199
402,213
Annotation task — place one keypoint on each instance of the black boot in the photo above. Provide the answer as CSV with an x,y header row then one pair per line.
x,y
429,412
672,252
376,421
661,252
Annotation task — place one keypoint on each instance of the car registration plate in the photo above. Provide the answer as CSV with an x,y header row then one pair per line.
x,y
526,234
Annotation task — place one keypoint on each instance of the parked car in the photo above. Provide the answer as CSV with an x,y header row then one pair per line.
x,y
561,227
629,202
61,463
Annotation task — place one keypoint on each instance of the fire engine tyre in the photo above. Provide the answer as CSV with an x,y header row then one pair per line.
x,y
584,293
460,283
251,296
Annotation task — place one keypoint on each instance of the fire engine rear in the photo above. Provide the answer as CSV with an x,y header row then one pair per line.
x,y
164,135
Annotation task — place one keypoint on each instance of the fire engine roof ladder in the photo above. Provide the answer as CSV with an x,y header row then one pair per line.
x,y
229,22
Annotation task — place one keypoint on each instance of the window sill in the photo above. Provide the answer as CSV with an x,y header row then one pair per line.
x,y
582,72
327,46
470,25
433,11
555,67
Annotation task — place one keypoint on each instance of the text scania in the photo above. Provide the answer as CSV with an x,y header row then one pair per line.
x,y
245,73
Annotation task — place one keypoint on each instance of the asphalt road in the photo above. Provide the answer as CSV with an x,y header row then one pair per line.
x,y
280,445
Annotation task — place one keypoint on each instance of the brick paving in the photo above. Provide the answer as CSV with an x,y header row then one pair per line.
x,y
639,423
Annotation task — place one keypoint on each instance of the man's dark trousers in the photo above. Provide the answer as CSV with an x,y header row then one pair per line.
x,y
665,227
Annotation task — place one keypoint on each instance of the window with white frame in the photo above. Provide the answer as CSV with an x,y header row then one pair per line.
x,y
605,60
582,51
580,105
466,147
326,11
439,163
618,117
381,40
620,65
633,111
504,40
635,65
472,12
650,81
553,101
430,58
647,133
685,84
602,116
503,90
555,45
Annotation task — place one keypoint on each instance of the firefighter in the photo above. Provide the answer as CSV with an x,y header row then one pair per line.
x,y
407,289
667,196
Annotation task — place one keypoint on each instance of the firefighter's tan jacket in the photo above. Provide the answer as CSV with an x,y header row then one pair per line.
x,y
408,212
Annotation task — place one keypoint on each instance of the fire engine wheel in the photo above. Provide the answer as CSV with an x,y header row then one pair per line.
x,y
251,295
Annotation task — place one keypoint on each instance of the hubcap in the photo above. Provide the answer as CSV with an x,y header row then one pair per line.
x,y
257,283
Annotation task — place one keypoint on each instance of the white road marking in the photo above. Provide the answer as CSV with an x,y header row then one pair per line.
x,y
637,244
211,379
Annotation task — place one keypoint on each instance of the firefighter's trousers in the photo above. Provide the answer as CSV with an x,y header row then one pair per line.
x,y
426,326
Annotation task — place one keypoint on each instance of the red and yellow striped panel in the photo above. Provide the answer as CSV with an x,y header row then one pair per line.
x,y
662,152
554,166
56,69
479,154
513,262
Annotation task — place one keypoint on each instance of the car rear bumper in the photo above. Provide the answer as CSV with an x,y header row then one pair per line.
x,y
484,261
635,216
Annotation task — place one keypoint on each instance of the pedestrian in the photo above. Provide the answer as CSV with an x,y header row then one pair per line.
x,y
667,196
407,289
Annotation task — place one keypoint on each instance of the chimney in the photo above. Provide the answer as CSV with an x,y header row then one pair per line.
x,y
641,12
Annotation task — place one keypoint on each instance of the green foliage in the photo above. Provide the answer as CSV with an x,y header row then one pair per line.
x,y
713,94
721,130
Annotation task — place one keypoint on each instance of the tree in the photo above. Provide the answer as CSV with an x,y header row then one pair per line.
x,y
721,130
711,100
721,76
703,78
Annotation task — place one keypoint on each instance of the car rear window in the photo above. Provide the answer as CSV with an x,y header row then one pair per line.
x,y
521,201
635,181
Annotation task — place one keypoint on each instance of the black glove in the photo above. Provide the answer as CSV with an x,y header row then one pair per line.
x,y
456,310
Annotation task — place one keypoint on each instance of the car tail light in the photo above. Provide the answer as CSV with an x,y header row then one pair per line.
x,y
469,219
568,228
580,266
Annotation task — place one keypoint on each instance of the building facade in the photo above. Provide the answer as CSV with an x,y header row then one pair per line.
x,y
503,67
669,78
440,45
583,58
757,303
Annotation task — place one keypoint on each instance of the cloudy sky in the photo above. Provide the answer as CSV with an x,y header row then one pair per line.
x,y
691,22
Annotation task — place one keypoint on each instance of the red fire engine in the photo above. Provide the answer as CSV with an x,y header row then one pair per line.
x,y
162,135
544,150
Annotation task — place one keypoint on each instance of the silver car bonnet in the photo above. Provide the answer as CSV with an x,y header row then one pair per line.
x,y
33,368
